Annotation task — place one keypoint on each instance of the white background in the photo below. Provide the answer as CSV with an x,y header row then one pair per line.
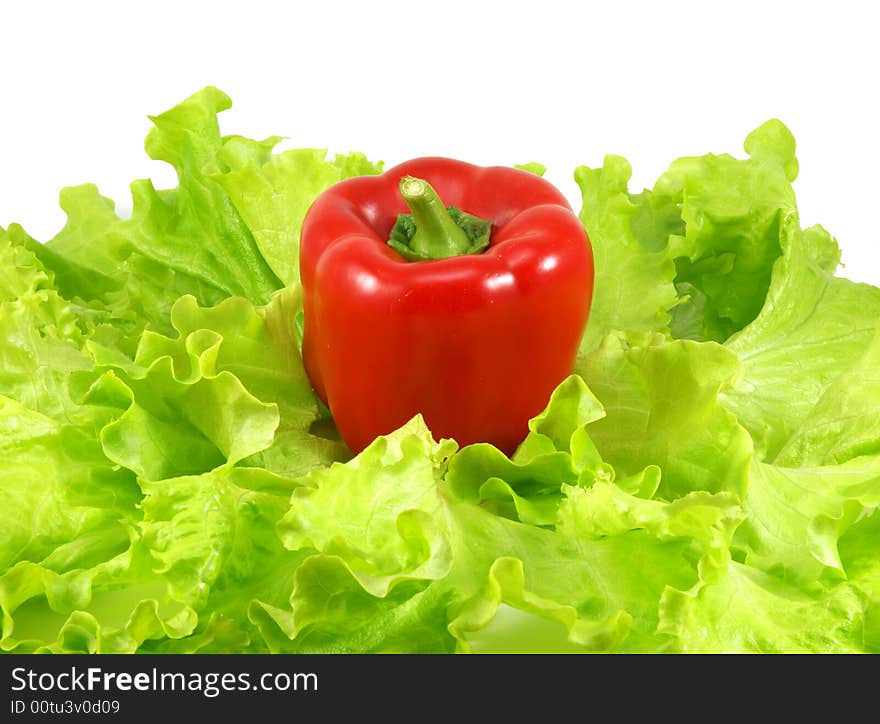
x,y
558,82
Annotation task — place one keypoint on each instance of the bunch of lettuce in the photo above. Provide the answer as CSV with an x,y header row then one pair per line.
x,y
707,480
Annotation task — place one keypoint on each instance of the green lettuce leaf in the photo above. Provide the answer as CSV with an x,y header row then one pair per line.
x,y
860,558
230,228
188,240
395,548
63,498
634,274
796,517
42,335
808,376
748,611
661,400
73,576
732,210
272,193
557,450
693,256
213,539
845,421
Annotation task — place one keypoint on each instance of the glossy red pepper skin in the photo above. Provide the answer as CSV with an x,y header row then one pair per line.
x,y
476,343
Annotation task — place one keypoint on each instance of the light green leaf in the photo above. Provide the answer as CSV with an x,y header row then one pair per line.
x,y
807,358
732,210
662,408
273,193
748,611
634,273
796,516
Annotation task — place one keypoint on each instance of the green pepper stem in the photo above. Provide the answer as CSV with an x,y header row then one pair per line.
x,y
437,236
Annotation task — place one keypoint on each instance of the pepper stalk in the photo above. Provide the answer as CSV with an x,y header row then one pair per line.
x,y
434,231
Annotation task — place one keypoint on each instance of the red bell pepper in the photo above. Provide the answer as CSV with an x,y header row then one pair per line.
x,y
470,320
